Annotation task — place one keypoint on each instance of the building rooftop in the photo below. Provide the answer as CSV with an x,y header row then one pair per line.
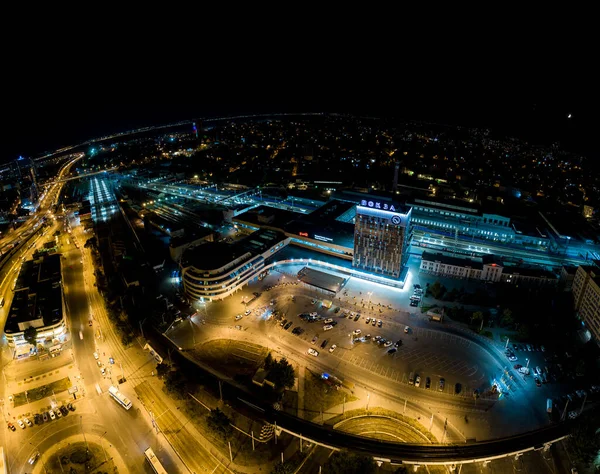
x,y
331,210
530,272
290,252
213,255
449,260
190,234
335,232
37,294
267,216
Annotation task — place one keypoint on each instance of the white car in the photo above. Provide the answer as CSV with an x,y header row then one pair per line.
x,y
21,424
247,312
52,415
356,332
327,327
418,381
313,352
313,314
27,422
238,317
102,371
406,329
96,356
332,348
34,457
388,344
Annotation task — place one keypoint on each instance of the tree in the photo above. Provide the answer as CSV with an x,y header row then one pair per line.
x,y
476,316
282,374
282,468
523,331
176,384
268,362
507,317
162,370
220,423
346,462
584,442
30,335
437,290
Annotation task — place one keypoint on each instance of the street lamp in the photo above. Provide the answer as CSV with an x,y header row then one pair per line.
x,y
527,366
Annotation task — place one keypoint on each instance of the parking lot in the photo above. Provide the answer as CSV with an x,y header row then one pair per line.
x,y
421,351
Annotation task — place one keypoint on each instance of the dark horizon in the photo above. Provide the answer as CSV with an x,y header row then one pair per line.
x,y
538,123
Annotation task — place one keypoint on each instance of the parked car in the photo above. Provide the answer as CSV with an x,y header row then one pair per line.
x,y
379,323
27,422
441,385
333,348
427,383
323,344
356,332
64,410
21,424
45,416
314,339
418,381
11,426
327,327
457,388
387,344
392,350
70,406
406,329
368,320
312,352
288,325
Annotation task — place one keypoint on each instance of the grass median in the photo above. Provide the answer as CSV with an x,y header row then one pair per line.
x,y
414,424
318,395
37,393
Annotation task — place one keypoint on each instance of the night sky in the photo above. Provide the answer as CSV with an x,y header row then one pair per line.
x,y
43,111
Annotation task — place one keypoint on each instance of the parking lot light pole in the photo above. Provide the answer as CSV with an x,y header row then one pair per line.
x,y
507,341
527,366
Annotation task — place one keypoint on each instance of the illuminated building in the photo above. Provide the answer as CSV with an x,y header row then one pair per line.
x,y
586,297
38,302
381,237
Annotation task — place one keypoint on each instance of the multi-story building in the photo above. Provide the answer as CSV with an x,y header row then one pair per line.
x,y
38,302
215,270
488,268
381,236
586,297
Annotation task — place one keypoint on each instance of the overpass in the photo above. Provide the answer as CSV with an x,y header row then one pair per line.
x,y
420,454
79,176
451,455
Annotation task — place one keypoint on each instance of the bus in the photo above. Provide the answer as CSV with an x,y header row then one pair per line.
x,y
154,462
119,397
